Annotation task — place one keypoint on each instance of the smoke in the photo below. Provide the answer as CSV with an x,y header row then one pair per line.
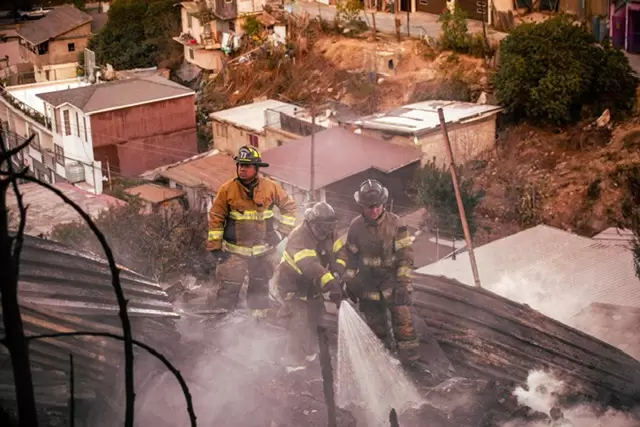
x,y
543,392
236,372
549,294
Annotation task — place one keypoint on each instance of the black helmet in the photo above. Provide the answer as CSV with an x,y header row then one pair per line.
x,y
323,217
371,193
248,155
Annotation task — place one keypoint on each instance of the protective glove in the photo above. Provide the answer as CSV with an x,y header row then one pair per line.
x,y
334,289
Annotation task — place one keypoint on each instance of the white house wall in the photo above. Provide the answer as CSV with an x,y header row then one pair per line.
x,y
75,146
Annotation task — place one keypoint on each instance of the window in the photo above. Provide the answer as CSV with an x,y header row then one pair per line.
x,y
43,48
56,128
191,55
67,122
232,25
35,143
59,153
78,124
253,140
189,20
84,123
71,47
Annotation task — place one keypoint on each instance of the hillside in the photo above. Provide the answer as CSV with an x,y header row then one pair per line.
x,y
569,178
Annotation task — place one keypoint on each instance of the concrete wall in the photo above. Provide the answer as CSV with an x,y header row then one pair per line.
x,y
276,137
229,139
467,141
207,59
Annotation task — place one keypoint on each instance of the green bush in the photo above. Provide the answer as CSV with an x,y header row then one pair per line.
x,y
434,191
552,70
251,26
455,34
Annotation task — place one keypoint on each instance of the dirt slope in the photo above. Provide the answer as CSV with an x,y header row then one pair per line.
x,y
568,179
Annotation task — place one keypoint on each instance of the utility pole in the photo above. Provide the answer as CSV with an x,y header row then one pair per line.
x,y
396,17
109,176
456,187
312,168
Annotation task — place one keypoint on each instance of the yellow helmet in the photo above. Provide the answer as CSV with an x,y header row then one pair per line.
x,y
248,155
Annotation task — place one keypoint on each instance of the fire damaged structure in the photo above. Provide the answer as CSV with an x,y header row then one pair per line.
x,y
468,336
64,290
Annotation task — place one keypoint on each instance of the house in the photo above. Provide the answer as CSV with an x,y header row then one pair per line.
x,y
471,127
130,125
22,115
558,273
342,161
624,19
289,122
245,125
212,28
52,44
199,177
47,209
156,198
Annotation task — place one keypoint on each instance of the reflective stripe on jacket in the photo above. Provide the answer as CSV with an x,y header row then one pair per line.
x,y
308,264
380,253
241,218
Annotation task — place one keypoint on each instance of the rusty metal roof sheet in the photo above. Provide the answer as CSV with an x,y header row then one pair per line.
x,y
117,94
339,154
209,172
542,264
154,193
64,290
58,277
46,209
58,21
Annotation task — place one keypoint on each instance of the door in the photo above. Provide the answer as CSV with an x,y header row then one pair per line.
x,y
634,31
431,6
618,25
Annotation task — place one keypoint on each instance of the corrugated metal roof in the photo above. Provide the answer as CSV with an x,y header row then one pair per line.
x,y
154,193
250,116
615,235
117,94
423,116
64,290
339,154
58,21
47,209
210,172
544,265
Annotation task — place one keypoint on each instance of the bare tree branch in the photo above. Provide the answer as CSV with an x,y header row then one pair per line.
x,y
122,302
72,392
155,353
9,276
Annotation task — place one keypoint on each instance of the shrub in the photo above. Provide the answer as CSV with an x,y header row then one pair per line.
x,y
434,190
455,34
251,26
551,70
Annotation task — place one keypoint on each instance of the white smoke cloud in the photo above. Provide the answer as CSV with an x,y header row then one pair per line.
x,y
542,393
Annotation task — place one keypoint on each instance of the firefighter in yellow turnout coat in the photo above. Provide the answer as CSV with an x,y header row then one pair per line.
x,y
242,233
311,266
380,260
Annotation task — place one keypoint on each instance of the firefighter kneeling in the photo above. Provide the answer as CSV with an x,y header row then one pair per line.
x,y
311,266
380,260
